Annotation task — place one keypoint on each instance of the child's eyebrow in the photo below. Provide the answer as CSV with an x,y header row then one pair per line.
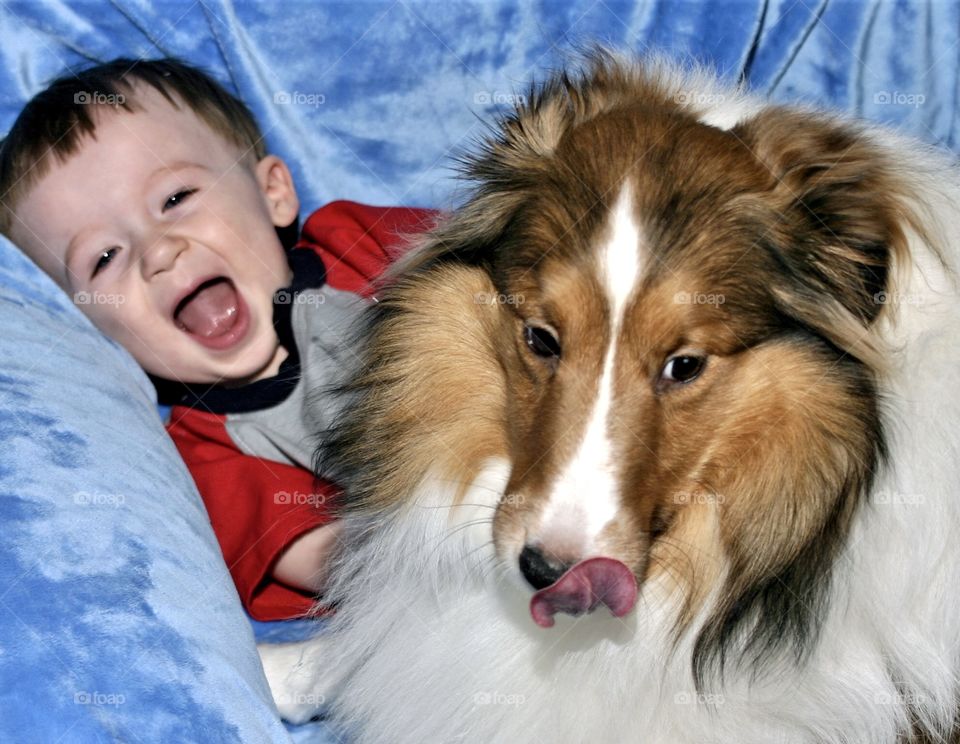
x,y
177,165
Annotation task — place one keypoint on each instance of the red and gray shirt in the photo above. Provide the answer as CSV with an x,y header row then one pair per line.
x,y
250,448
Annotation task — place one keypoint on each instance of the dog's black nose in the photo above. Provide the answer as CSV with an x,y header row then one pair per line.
x,y
539,570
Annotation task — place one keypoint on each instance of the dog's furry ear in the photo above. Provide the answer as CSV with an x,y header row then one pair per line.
x,y
840,211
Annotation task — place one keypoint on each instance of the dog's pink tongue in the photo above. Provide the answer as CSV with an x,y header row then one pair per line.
x,y
211,311
585,586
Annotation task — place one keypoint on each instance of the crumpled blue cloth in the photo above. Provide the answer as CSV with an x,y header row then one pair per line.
x,y
118,621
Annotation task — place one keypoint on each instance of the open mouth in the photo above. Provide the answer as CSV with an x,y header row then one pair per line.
x,y
214,313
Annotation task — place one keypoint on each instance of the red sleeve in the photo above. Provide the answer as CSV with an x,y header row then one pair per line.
x,y
257,508
357,242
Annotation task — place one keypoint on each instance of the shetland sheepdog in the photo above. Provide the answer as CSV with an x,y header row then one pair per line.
x,y
655,439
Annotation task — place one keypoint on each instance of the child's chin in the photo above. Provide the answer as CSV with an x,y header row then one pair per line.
x,y
251,366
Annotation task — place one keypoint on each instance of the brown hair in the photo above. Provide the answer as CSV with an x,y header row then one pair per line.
x,y
55,121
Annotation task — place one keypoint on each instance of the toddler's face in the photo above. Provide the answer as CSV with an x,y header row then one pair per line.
x,y
163,232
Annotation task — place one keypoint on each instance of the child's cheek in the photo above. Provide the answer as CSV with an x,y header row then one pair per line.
x,y
108,312
97,303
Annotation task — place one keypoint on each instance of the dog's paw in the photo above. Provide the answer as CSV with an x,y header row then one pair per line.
x,y
292,673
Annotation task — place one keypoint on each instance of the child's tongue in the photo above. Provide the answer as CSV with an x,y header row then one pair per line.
x,y
211,310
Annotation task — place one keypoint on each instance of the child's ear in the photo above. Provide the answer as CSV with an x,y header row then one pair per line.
x,y
277,187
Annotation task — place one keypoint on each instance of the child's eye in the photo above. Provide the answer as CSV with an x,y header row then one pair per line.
x,y
105,258
178,198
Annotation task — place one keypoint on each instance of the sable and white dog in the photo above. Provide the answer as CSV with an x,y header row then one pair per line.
x,y
685,355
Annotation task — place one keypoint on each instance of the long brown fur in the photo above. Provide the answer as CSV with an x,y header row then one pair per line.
x,y
751,474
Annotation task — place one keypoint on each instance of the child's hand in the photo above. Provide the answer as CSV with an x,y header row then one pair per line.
x,y
304,564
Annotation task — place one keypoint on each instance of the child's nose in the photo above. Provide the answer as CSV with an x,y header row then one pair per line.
x,y
161,253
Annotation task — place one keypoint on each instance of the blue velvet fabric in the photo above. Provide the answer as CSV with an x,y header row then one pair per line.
x,y
117,618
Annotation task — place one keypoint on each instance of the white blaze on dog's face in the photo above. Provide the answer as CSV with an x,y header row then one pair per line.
x,y
585,497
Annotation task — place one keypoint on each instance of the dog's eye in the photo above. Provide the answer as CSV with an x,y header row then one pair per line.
x,y
682,368
541,342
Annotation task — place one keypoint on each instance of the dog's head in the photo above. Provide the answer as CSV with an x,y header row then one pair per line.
x,y
659,308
